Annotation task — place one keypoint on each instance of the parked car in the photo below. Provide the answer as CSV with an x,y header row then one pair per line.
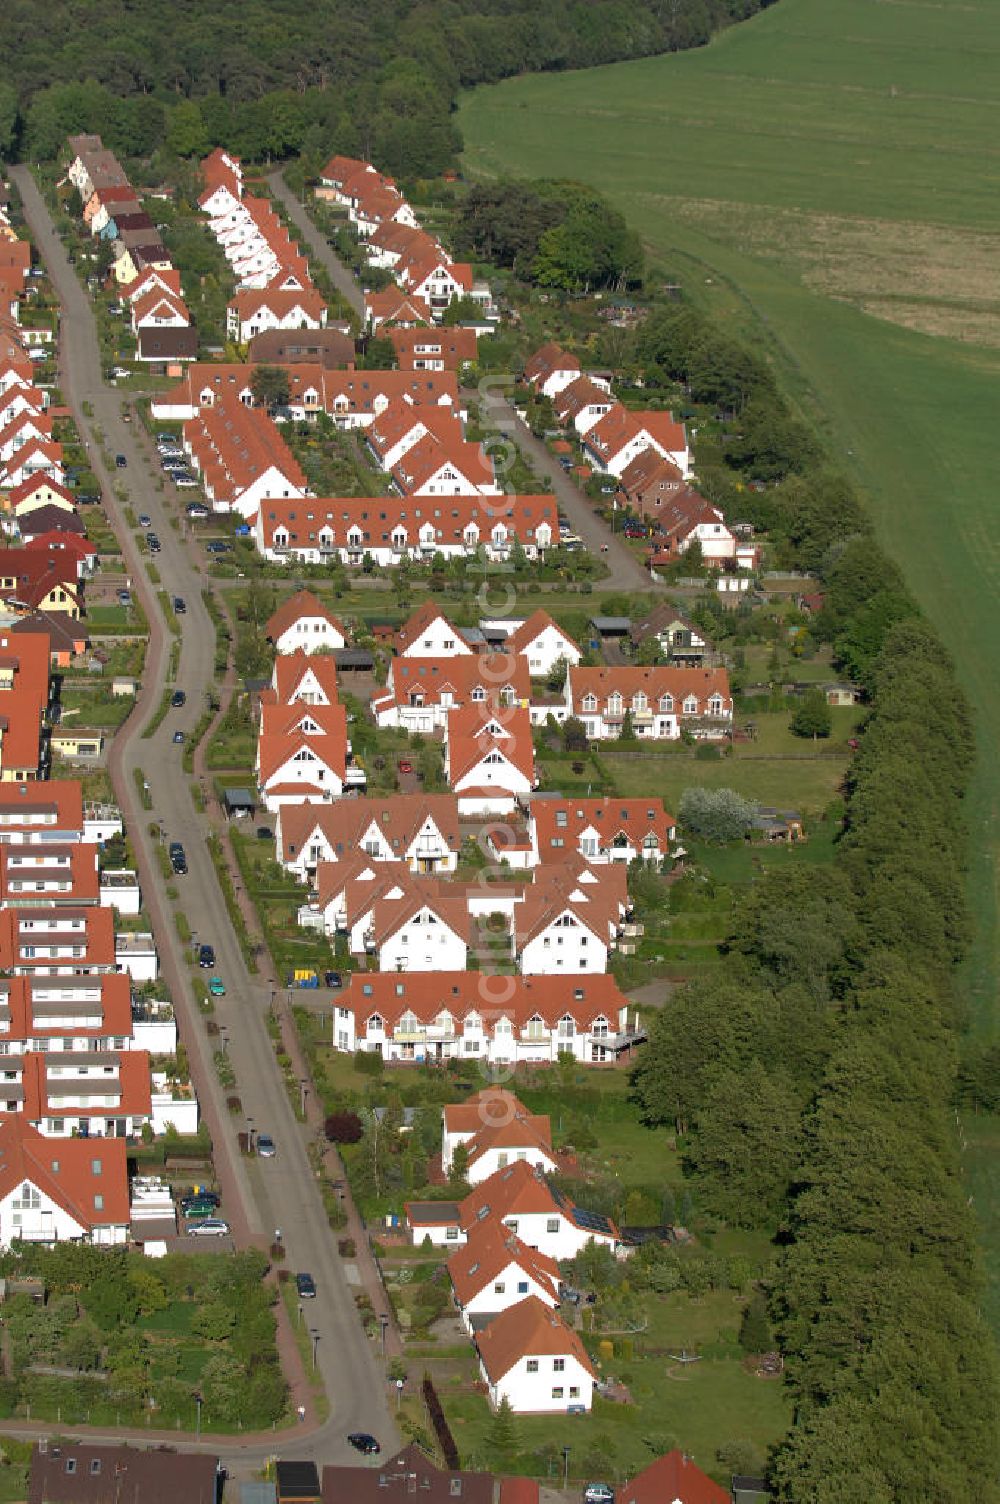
x,y
197,1208
196,509
599,1493
184,480
265,833
172,462
178,698
404,765
180,605
206,957
217,987
212,1227
121,462
217,547
362,1441
177,738
333,979
145,520
124,598
266,1146
194,1197
305,1286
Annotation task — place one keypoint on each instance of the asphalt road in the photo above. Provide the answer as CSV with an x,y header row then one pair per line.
x,y
625,573
340,275
262,1195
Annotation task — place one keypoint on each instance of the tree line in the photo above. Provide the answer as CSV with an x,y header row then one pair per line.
x,y
367,77
814,1078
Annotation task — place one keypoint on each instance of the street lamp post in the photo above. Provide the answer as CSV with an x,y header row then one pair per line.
x,y
224,1039
315,1343
249,1135
384,1324
303,1093
197,1400
565,1467
300,1313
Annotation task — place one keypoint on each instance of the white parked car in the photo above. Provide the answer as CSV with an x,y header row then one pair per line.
x,y
211,1227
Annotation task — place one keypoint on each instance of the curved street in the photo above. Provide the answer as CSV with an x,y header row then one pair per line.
x,y
258,1195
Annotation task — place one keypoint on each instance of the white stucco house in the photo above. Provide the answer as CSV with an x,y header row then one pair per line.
x,y
529,1357
495,1270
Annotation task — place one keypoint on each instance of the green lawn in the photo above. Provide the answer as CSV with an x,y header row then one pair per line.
x,y
702,1405
823,178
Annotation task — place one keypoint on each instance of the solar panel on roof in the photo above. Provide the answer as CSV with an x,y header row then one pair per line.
x,y
592,1220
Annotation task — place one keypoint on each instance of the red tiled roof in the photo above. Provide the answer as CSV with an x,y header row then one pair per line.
x,y
550,358
565,821
529,1329
629,680
72,1172
492,1248
475,730
673,1477
303,603
517,999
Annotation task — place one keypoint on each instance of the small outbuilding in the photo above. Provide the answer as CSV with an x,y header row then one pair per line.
x,y
238,803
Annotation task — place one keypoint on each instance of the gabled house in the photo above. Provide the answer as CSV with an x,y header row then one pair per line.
x,y
391,305
433,468
496,1131
494,1270
660,702
678,638
439,349
583,403
489,757
567,921
409,923
411,1473
600,830
52,1193
523,1201
300,678
673,1478
38,491
531,1359
256,310
427,633
303,623
241,457
542,644
420,692
301,753
420,830
550,370
620,436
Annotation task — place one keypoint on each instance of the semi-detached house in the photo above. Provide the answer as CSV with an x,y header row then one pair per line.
x,y
421,830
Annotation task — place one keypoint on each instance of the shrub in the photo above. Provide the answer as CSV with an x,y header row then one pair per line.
x,y
716,815
343,1128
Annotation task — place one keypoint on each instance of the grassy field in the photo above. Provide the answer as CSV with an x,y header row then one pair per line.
x,y
824,178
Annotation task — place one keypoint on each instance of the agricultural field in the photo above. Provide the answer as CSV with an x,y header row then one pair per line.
x,y
823,180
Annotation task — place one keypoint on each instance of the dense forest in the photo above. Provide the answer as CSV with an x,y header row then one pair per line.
x,y
374,77
813,1081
